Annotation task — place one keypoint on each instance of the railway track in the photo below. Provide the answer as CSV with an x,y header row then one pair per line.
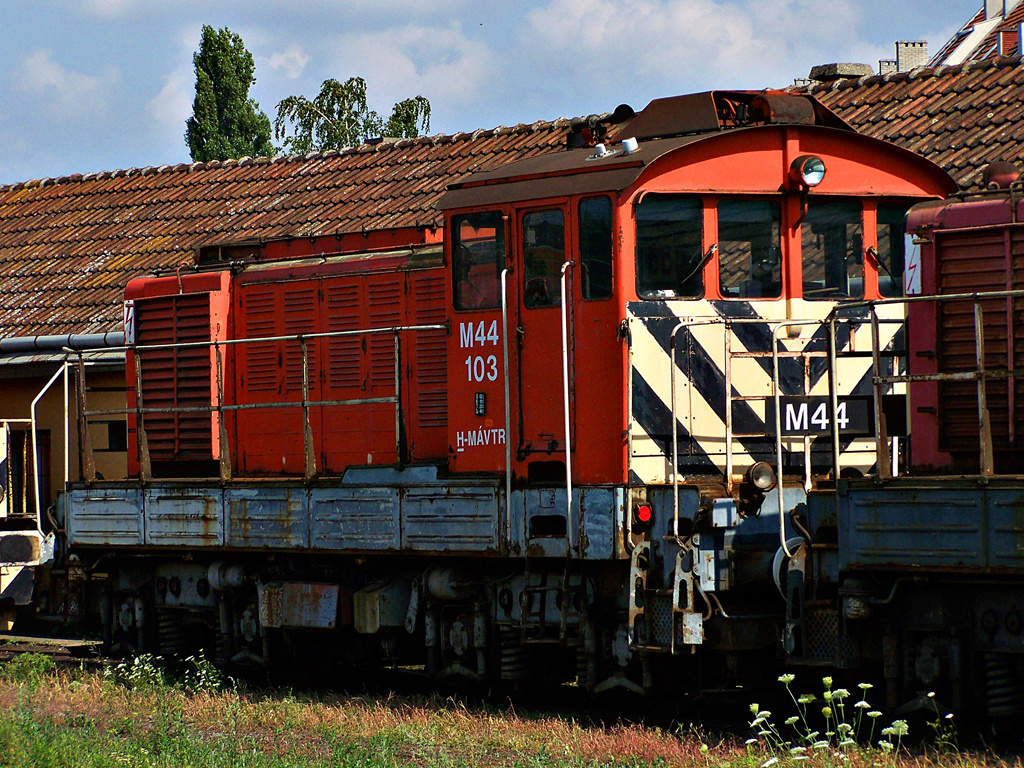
x,y
63,651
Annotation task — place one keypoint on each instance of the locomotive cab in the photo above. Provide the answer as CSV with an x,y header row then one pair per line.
x,y
637,321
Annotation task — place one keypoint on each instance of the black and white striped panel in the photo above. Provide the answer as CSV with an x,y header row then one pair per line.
x,y
702,365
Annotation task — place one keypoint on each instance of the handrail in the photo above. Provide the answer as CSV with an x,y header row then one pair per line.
x,y
508,407
35,444
981,375
691,322
141,410
565,391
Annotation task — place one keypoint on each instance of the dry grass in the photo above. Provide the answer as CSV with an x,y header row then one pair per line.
x,y
62,718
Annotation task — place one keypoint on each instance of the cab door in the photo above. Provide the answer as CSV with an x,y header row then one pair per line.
x,y
540,255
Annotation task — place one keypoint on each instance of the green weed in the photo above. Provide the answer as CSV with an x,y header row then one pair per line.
x,y
27,668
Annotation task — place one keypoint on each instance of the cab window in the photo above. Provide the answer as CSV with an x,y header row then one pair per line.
x,y
832,243
595,238
668,247
750,249
478,256
543,257
891,248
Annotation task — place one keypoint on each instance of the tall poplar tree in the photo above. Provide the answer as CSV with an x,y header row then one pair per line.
x,y
225,122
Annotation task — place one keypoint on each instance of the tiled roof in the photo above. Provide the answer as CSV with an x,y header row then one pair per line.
x,y
960,117
68,246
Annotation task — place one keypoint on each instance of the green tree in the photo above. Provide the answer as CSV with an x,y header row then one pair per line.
x,y
339,117
225,122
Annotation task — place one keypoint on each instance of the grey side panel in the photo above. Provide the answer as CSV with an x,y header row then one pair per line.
x,y
354,518
450,519
267,517
919,527
185,517
1006,529
105,516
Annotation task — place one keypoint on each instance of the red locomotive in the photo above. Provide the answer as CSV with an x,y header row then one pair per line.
x,y
570,434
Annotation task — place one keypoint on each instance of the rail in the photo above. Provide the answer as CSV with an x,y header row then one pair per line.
x,y
981,375
776,352
32,435
221,408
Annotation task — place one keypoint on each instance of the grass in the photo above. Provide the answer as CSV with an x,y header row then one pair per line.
x,y
133,717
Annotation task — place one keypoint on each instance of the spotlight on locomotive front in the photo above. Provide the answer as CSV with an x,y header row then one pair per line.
x,y
762,476
808,170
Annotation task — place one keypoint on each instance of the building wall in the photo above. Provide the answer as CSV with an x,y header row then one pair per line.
x,y
105,391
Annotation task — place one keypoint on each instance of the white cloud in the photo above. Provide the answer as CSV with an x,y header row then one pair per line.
x,y
173,105
595,53
108,8
41,77
289,63
441,63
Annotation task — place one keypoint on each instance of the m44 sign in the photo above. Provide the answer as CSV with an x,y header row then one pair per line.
x,y
813,415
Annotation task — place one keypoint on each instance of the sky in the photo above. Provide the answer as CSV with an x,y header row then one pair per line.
x,y
101,85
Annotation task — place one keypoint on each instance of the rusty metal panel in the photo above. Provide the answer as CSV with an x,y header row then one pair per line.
x,y
381,605
356,518
105,517
267,517
298,604
458,519
184,517
600,508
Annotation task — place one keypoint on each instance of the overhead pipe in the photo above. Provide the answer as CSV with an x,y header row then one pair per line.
x,y
60,342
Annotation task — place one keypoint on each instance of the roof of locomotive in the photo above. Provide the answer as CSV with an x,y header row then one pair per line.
x,y
662,126
68,246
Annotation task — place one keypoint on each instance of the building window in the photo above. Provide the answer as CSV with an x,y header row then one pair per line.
x,y
595,238
668,247
478,257
750,249
832,240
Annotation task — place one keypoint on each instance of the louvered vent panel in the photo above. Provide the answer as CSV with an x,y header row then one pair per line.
x,y
260,359
176,378
300,314
344,354
431,352
976,262
385,307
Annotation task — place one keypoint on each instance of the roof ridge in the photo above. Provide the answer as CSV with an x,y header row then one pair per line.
x,y
918,73
369,146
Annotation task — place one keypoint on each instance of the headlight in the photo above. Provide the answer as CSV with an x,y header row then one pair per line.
x,y
808,170
762,475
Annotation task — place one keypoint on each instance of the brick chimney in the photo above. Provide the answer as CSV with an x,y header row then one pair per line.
x,y
911,54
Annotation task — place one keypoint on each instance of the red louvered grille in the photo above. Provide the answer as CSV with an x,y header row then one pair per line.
x,y
385,308
431,352
975,262
176,378
260,359
344,353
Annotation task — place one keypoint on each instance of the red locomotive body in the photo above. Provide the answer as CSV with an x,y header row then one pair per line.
x,y
313,304
574,433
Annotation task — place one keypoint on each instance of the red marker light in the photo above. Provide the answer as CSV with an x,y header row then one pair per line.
x,y
644,513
